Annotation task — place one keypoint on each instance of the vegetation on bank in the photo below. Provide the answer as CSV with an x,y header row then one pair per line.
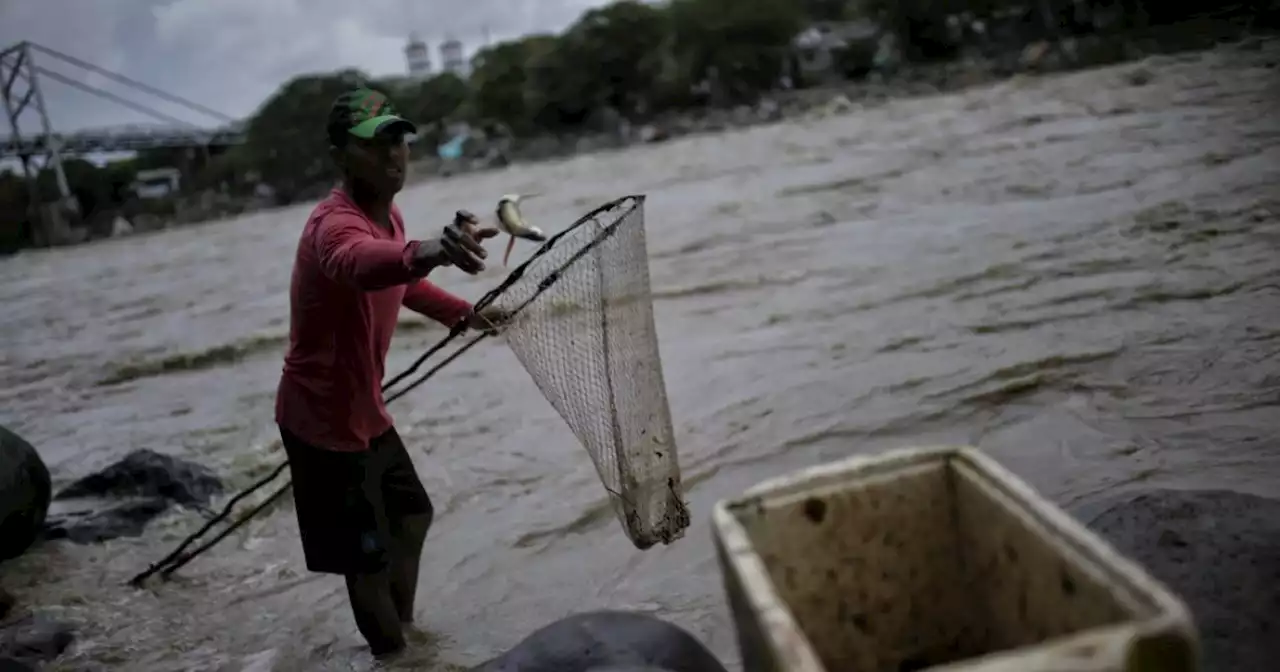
x,y
629,60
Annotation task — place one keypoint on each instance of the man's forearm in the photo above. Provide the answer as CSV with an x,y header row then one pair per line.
x,y
425,298
376,264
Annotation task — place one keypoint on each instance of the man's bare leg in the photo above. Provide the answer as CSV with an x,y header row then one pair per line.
x,y
409,534
375,611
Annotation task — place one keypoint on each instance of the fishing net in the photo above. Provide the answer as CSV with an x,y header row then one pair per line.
x,y
583,328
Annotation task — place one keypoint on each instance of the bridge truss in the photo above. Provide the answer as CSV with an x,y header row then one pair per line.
x,y
21,81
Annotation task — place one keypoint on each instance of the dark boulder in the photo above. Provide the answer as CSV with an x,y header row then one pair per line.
x,y
8,664
607,641
1220,552
121,499
92,519
146,473
24,494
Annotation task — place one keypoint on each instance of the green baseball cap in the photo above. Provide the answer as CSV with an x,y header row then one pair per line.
x,y
364,113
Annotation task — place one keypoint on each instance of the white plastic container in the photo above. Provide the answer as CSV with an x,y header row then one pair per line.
x,y
935,559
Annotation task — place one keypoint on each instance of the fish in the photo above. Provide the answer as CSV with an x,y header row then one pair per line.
x,y
512,223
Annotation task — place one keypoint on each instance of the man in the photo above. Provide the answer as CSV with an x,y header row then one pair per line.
x,y
362,511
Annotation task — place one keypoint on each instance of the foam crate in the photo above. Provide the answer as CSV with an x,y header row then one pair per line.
x,y
934,559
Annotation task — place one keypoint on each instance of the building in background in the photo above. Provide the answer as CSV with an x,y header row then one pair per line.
x,y
452,58
157,182
830,51
417,56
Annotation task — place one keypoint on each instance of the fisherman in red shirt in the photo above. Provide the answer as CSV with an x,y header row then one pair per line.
x,y
362,511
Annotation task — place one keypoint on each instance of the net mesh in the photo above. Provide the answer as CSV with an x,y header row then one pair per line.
x,y
584,331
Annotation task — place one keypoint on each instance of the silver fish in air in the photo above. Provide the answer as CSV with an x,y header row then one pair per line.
x,y
512,223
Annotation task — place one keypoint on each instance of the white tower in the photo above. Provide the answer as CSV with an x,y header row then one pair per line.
x,y
452,59
418,57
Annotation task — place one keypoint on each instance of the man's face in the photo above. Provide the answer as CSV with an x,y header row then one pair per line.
x,y
379,163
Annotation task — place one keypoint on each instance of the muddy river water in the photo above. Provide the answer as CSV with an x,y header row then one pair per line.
x,y
1080,274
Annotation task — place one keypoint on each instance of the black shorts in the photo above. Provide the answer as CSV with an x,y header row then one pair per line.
x,y
350,504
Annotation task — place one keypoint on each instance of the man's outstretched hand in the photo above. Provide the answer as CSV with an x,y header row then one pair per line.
x,y
458,245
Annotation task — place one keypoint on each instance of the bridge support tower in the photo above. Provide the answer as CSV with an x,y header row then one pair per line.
x,y
20,90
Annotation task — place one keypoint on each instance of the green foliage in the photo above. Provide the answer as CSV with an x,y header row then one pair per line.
x,y
14,229
616,54
740,46
95,188
499,78
286,140
433,102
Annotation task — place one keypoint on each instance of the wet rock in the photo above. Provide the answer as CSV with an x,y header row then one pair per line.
x,y
767,111
1219,551
652,133
120,500
120,227
34,640
24,494
93,520
607,641
1034,55
14,665
147,473
6,603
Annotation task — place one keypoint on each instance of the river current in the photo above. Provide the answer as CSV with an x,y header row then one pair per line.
x,y
1078,273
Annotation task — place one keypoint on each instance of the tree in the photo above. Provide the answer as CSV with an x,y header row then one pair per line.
x,y
15,226
432,103
559,94
741,47
625,44
436,99
826,10
285,139
499,79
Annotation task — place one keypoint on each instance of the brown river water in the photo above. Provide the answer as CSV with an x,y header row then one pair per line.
x,y
1078,273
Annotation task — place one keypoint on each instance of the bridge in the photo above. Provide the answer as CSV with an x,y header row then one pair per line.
x,y
21,82
129,138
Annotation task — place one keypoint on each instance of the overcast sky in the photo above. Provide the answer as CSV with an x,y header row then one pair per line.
x,y
230,55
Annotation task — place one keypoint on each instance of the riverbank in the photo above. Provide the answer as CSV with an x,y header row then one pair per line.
x,y
975,67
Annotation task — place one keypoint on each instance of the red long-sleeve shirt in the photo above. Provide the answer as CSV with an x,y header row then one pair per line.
x,y
350,277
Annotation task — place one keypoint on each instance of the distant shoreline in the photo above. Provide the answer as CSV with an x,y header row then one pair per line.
x,y
910,81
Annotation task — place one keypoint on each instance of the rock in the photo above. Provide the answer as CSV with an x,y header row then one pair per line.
x,y
8,664
1033,55
120,500
1138,76
34,639
650,133
24,494
147,473
93,520
1219,551
607,641
768,110
6,603
120,227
